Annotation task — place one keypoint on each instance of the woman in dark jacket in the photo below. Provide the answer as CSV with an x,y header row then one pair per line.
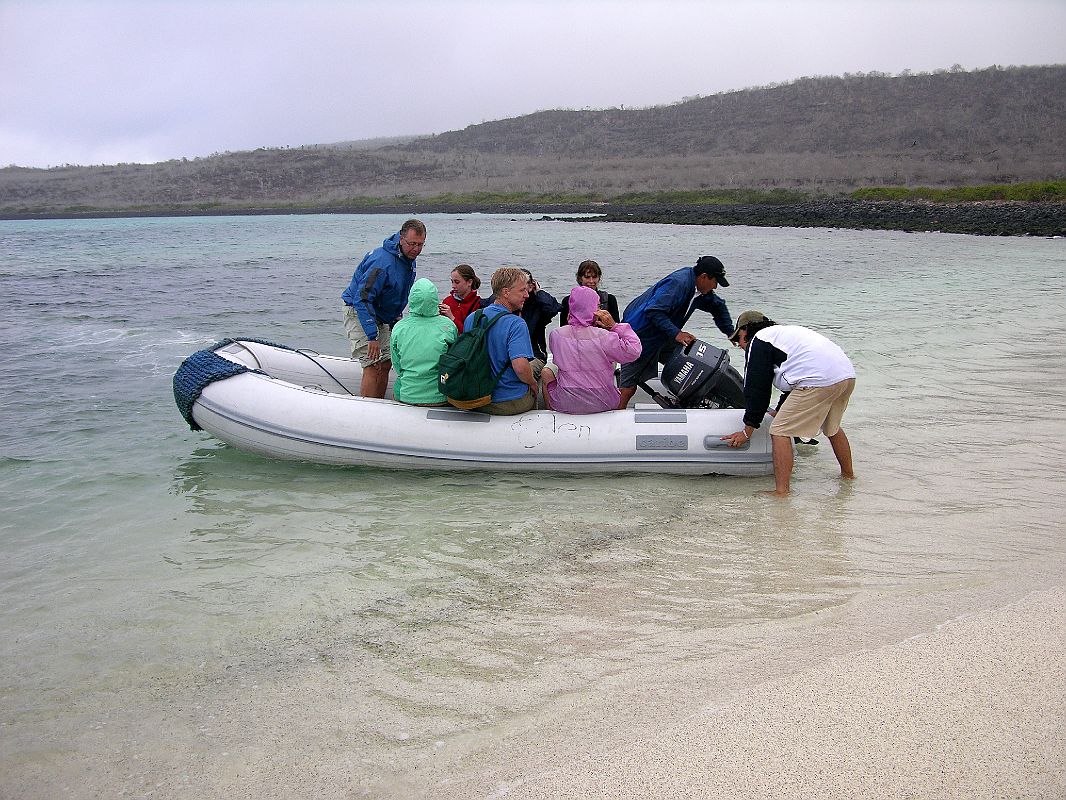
x,y
540,308
589,274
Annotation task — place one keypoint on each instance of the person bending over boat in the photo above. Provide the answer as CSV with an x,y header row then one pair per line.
x,y
510,345
416,345
375,299
658,314
584,350
816,379
589,274
463,299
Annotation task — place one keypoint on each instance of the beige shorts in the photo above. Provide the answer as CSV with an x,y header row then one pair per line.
x,y
358,341
507,408
814,408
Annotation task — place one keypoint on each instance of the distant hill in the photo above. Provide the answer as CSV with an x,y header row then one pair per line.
x,y
948,114
824,135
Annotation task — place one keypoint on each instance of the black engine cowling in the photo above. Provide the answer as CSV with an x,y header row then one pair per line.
x,y
700,376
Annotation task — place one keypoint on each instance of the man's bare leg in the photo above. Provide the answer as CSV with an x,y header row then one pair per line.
x,y
781,447
547,375
627,393
842,450
375,379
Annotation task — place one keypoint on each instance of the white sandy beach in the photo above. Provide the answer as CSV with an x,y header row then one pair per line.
x,y
975,708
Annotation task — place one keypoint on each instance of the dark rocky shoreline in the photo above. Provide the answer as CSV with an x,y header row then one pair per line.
x,y
979,218
986,218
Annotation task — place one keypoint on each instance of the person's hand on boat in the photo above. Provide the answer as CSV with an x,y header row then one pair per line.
x,y
684,338
737,438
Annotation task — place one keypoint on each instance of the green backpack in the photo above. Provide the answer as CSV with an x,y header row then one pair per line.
x,y
466,378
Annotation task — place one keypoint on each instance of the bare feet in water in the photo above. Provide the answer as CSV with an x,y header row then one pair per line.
x,y
774,493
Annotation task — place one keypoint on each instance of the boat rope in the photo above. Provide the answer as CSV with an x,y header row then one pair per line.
x,y
306,353
310,354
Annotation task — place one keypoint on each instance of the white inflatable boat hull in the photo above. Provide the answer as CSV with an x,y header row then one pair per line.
x,y
301,406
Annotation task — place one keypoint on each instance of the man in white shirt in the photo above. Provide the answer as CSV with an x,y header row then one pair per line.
x,y
816,379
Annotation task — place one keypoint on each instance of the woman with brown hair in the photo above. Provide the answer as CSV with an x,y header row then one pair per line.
x,y
589,274
463,298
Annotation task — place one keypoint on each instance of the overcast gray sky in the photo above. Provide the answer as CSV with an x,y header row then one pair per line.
x,y
104,81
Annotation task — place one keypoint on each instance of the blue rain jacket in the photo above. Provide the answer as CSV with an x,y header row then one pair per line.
x,y
658,315
380,286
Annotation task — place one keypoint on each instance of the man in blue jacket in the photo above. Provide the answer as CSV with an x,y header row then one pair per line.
x,y
375,299
658,314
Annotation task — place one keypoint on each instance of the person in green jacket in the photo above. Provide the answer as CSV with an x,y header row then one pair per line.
x,y
417,343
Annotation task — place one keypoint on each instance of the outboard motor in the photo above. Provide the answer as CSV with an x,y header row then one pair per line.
x,y
700,376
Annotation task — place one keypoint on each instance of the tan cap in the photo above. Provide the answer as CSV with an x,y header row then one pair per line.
x,y
746,319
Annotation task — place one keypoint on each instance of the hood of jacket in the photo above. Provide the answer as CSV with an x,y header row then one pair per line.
x,y
424,300
583,304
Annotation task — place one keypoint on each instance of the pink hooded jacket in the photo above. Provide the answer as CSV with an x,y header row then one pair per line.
x,y
584,358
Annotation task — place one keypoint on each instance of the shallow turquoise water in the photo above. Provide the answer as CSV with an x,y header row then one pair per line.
x,y
139,559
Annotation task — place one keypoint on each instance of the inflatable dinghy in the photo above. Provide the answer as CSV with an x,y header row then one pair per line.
x,y
296,404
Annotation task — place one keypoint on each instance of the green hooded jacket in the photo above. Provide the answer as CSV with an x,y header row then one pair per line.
x,y
417,342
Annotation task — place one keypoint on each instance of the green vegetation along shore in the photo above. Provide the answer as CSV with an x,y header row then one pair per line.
x,y
1036,209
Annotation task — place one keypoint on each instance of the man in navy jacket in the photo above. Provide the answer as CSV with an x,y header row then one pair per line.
x,y
658,314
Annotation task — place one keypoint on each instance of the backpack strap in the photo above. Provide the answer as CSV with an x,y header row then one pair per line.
x,y
479,315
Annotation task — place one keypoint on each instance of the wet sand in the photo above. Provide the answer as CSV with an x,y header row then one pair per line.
x,y
847,703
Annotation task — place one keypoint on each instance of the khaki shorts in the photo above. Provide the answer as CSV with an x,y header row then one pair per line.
x,y
520,405
358,341
507,408
814,408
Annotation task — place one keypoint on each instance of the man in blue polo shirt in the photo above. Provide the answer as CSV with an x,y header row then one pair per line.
x,y
510,345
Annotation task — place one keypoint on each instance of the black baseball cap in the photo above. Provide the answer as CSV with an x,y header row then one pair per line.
x,y
713,268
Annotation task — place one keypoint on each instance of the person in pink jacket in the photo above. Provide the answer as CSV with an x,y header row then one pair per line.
x,y
580,379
